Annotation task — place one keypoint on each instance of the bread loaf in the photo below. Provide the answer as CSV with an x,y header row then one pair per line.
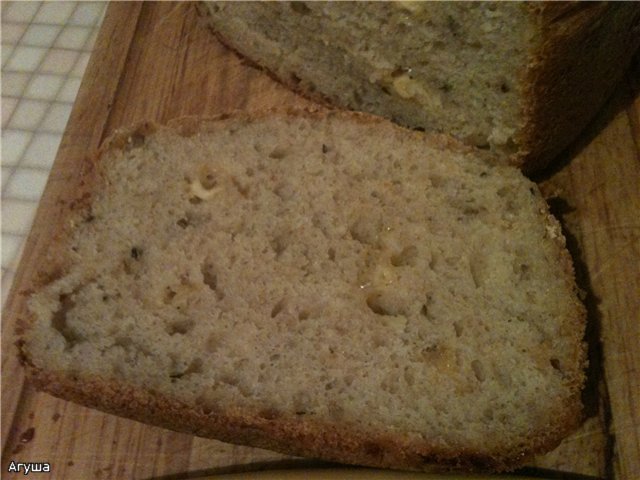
x,y
323,284
522,79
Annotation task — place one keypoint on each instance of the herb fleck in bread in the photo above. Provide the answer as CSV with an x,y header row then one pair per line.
x,y
521,78
323,284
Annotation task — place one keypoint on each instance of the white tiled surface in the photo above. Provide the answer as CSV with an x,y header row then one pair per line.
x,y
45,49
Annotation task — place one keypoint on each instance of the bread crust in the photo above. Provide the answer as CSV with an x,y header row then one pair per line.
x,y
582,51
286,433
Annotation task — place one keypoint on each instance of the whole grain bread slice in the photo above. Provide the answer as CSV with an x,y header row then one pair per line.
x,y
323,284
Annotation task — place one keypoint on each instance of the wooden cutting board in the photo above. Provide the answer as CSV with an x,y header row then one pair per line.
x,y
157,61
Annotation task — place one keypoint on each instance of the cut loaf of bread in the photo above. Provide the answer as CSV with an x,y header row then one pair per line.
x,y
521,78
319,283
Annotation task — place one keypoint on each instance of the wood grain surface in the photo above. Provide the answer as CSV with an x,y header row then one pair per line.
x,y
157,61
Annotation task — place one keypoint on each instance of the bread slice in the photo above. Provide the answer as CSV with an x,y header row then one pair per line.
x,y
319,283
520,78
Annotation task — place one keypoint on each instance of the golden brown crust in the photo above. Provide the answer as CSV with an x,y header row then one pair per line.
x,y
575,325
289,435
56,259
292,434
583,49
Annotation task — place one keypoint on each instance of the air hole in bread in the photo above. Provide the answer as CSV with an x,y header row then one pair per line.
x,y
365,230
303,314
488,413
458,328
409,378
208,179
331,253
129,264
278,153
478,270
300,7
243,190
478,370
277,308
59,321
180,327
470,211
406,257
555,363
451,261
376,305
432,353
168,296
279,244
384,303
522,271
249,172
183,223
274,357
123,342
210,279
195,367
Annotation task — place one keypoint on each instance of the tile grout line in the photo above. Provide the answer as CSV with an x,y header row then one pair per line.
x,y
6,273
38,69
13,53
12,171
36,129
86,48
18,42
5,196
53,100
27,23
64,49
48,49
